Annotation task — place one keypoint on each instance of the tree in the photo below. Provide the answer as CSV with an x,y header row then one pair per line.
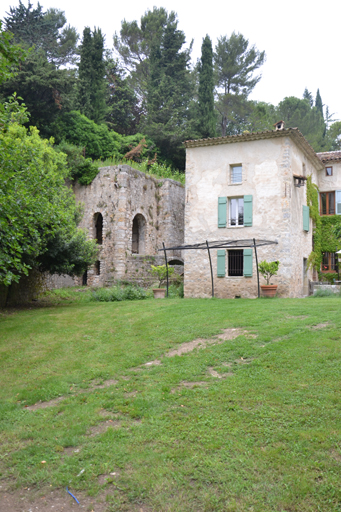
x,y
92,86
318,102
207,116
10,55
169,94
308,96
235,63
47,91
134,45
124,113
38,213
298,113
45,31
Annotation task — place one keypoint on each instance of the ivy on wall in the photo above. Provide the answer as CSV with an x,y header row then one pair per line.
x,y
315,257
330,233
327,232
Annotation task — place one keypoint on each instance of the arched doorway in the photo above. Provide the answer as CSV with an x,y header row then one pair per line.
x,y
139,234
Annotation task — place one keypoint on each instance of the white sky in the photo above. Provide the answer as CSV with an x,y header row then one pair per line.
x,y
301,38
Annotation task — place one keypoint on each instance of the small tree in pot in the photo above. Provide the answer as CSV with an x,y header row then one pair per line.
x,y
268,269
160,272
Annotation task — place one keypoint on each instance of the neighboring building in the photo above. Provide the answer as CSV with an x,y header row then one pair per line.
x,y
251,186
130,214
329,184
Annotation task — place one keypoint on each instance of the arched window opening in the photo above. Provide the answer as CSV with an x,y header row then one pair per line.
x,y
98,218
139,234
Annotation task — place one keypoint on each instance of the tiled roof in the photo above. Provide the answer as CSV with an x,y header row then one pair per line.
x,y
330,156
293,133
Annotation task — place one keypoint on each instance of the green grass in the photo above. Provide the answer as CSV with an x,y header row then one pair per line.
x,y
266,438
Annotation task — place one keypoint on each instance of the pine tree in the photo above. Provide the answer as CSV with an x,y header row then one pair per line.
x,y
308,96
207,117
235,64
92,86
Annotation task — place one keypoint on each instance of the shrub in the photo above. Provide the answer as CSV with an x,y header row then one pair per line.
x,y
118,293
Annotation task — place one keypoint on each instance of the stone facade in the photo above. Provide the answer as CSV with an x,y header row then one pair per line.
x,y
259,168
131,214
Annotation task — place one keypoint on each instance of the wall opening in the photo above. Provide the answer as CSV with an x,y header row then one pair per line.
x,y
85,278
98,268
139,234
98,219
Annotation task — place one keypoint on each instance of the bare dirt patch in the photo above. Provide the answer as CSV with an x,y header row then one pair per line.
x,y
107,414
218,375
103,427
189,385
44,405
106,384
48,499
156,362
225,335
320,326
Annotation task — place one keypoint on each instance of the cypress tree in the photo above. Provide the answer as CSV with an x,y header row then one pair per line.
x,y
207,116
318,102
92,86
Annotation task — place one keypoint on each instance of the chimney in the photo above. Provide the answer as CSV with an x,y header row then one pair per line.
x,y
279,125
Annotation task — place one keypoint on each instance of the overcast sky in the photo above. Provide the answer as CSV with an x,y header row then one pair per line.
x,y
301,38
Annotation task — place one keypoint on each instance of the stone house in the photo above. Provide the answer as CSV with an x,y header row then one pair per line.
x,y
249,186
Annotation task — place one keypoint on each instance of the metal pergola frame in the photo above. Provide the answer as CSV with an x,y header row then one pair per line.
x,y
250,243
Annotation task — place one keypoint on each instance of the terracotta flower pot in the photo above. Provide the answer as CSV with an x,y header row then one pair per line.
x,y
159,293
269,290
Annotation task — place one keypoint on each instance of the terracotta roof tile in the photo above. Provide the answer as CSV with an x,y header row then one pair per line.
x,y
330,156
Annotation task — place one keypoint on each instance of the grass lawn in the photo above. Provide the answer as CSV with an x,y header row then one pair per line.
x,y
247,424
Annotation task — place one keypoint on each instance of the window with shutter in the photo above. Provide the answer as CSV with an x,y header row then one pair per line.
x,y
221,255
222,212
305,218
248,262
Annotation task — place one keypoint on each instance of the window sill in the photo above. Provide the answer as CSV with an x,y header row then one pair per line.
x,y
234,184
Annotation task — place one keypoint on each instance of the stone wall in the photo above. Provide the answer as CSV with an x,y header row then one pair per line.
x,y
268,166
121,194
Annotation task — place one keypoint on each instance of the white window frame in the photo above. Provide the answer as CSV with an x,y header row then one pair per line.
x,y
230,199
238,178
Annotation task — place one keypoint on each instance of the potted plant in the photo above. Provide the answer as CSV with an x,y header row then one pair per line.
x,y
160,272
268,269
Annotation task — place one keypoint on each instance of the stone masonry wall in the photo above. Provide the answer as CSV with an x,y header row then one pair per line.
x,y
119,194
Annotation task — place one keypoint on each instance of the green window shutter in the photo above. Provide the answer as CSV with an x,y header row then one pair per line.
x,y
338,202
221,255
248,262
247,210
222,212
305,218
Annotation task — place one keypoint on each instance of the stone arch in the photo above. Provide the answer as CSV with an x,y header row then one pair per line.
x,y
98,228
139,234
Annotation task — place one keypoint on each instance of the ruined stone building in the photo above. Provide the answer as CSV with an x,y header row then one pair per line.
x,y
249,186
130,214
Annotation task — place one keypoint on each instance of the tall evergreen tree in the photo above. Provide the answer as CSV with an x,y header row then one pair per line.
x,y
318,102
45,30
235,64
92,85
207,116
169,93
308,96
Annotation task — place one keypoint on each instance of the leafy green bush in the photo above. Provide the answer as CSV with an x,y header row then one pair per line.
x,y
325,293
81,168
118,293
